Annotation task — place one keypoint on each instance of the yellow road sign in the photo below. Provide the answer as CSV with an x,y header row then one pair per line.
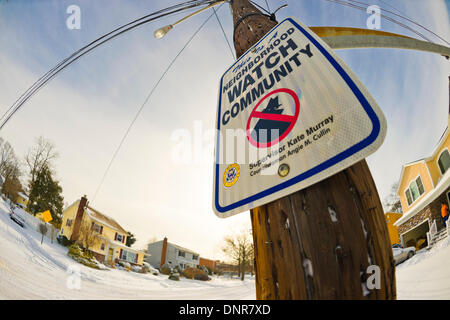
x,y
47,216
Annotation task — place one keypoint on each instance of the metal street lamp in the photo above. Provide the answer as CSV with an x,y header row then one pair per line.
x,y
161,32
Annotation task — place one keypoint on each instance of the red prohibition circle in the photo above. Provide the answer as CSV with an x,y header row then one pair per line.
x,y
275,117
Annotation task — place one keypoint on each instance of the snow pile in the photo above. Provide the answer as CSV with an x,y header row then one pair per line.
x,y
426,275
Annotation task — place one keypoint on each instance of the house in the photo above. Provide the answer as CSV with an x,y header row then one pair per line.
x,y
223,267
22,200
163,252
391,218
110,237
208,263
424,185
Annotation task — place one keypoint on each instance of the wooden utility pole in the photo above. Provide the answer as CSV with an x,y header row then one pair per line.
x,y
317,243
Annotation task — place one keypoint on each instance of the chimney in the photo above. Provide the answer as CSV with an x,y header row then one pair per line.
x,y
163,252
78,219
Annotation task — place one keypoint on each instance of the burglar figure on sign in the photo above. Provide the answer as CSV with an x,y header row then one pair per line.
x,y
267,130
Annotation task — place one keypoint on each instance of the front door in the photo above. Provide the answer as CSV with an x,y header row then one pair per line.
x,y
110,254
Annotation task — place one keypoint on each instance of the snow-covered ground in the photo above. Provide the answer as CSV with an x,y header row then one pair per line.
x,y
426,275
29,270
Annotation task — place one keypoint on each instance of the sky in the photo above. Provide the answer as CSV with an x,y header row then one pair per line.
x,y
86,109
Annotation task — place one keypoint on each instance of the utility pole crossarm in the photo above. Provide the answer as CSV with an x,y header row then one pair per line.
x,y
352,38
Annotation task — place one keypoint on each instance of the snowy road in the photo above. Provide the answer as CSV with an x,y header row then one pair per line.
x,y
29,270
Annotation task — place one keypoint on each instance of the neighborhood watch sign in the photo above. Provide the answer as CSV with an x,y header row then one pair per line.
x,y
290,114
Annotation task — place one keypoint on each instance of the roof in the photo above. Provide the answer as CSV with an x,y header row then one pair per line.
x,y
441,186
120,244
183,249
104,219
23,195
424,160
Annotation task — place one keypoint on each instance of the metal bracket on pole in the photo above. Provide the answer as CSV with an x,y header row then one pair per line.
x,y
352,38
245,17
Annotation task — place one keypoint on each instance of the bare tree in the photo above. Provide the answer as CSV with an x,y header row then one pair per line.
x,y
88,236
7,155
43,230
10,170
40,155
239,248
12,185
392,202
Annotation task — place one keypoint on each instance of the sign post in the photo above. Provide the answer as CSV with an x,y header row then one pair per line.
x,y
294,126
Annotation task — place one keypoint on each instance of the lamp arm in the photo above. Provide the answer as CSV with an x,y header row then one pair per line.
x,y
196,12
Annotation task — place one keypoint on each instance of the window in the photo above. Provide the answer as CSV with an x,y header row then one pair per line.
x,y
68,222
102,247
96,228
119,238
181,254
420,185
415,190
408,197
129,256
194,257
444,161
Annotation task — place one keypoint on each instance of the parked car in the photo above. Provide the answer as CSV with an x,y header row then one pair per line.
x,y
20,205
401,254
16,217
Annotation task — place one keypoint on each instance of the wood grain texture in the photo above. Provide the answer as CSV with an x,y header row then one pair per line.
x,y
318,242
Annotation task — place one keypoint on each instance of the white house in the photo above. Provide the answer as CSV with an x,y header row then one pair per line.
x,y
162,252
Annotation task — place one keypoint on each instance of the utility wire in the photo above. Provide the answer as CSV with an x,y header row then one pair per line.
x,y
352,5
406,18
145,102
89,44
263,9
224,34
79,53
267,4
389,5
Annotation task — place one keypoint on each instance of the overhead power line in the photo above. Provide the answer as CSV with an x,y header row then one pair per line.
x,y
406,18
224,34
89,47
267,4
364,8
146,101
